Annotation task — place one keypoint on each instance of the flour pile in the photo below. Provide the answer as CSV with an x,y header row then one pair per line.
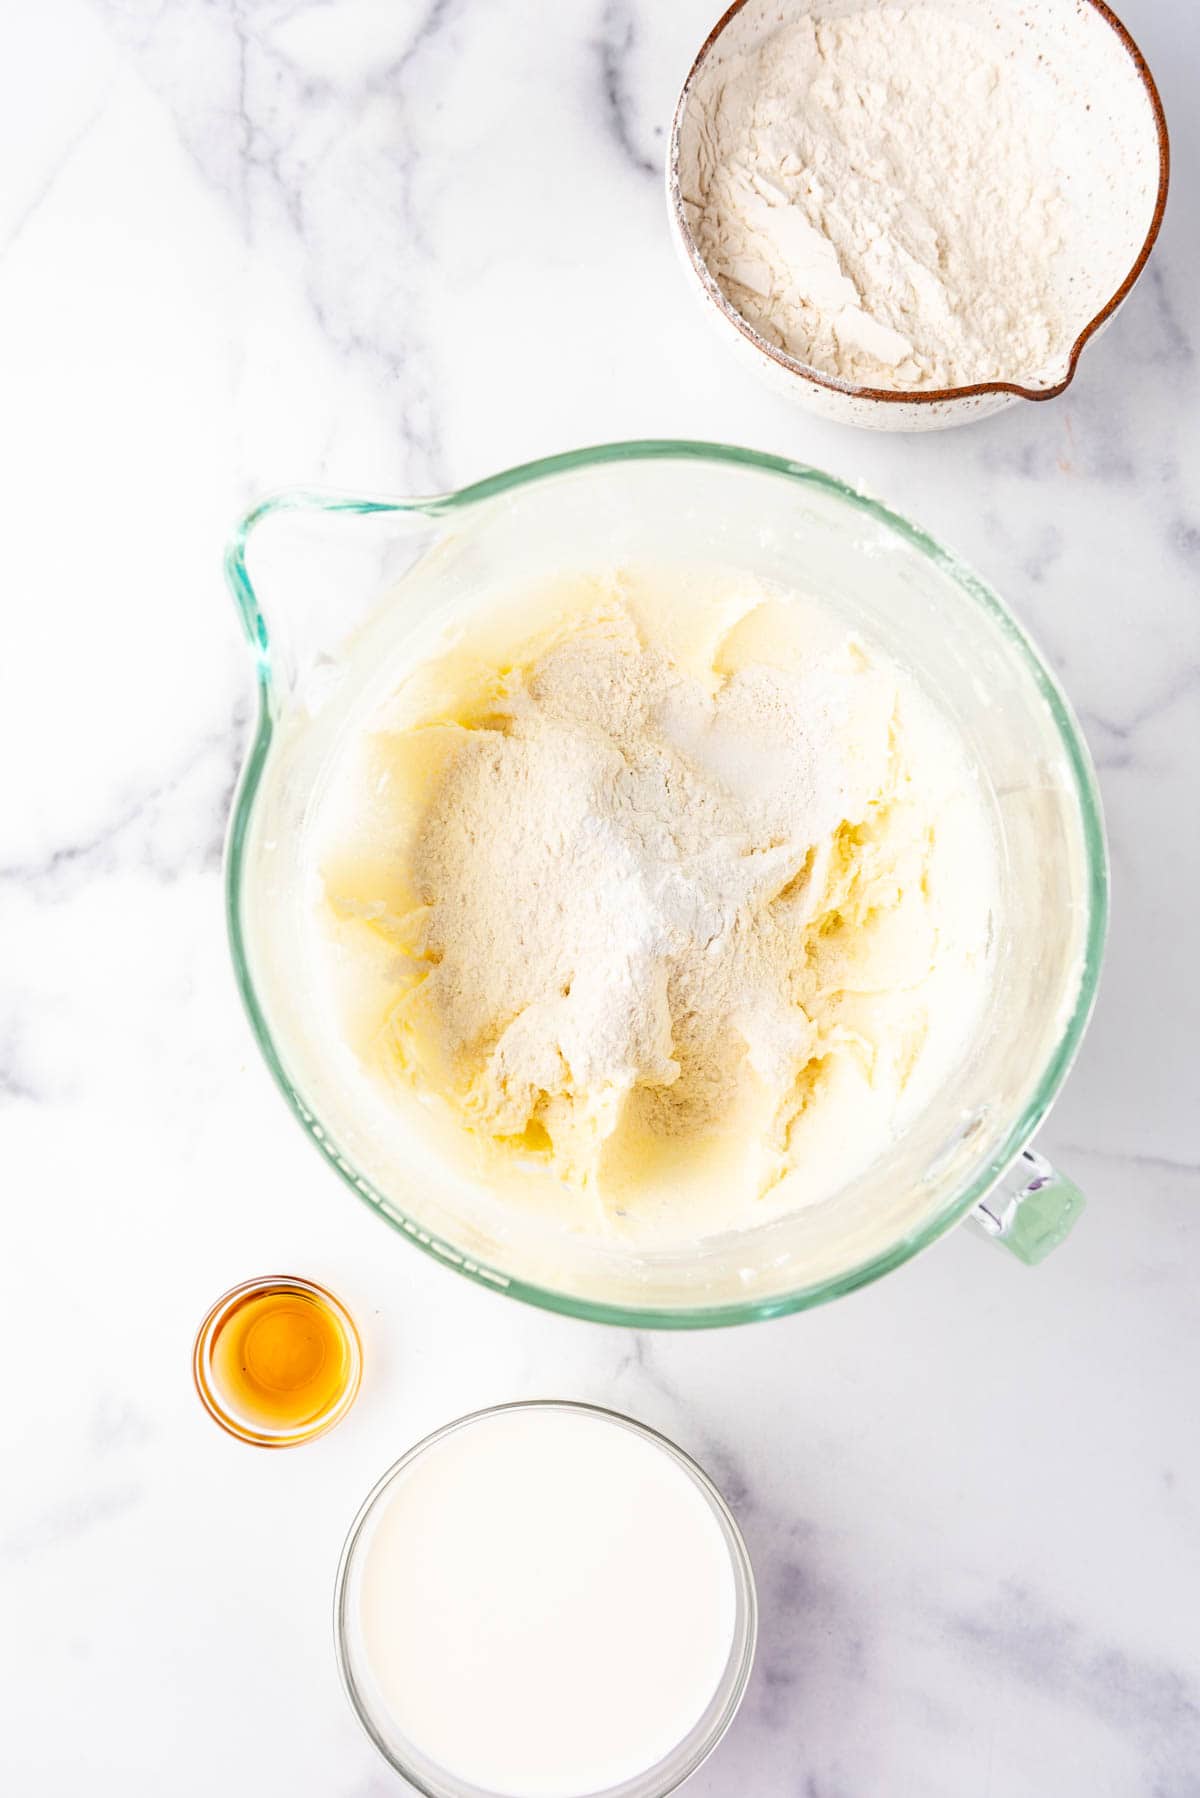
x,y
615,869
653,922
878,194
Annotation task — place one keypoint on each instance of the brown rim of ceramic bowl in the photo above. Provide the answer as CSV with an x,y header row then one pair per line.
x,y
928,395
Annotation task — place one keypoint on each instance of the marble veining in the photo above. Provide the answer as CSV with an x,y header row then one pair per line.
x,y
1148,1700
393,246
615,45
142,828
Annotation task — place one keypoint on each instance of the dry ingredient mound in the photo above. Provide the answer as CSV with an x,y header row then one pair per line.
x,y
878,194
666,930
615,869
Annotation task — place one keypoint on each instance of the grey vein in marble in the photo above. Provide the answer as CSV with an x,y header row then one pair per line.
x,y
140,829
1113,739
615,46
274,173
67,1519
1170,344
51,177
1149,1701
1164,1163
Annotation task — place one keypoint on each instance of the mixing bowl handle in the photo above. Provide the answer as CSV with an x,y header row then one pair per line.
x,y
1031,1210
313,583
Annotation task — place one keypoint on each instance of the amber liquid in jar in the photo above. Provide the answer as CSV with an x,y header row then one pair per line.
x,y
277,1361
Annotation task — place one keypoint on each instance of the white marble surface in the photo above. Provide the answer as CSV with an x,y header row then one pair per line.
x,y
395,246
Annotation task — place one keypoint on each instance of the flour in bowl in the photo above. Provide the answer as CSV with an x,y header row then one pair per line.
x,y
880,194
676,907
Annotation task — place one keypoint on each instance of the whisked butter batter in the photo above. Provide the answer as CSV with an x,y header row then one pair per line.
x,y
687,903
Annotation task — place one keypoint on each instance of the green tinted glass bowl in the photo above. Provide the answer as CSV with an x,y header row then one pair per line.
x,y
327,569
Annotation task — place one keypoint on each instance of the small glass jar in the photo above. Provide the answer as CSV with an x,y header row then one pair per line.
x,y
277,1361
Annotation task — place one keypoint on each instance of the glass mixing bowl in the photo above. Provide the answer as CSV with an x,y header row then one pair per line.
x,y
327,586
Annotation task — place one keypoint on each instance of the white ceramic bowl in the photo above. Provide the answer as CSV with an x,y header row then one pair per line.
x,y
1110,104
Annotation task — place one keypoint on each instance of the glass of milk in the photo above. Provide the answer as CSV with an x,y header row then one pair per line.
x,y
545,1600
